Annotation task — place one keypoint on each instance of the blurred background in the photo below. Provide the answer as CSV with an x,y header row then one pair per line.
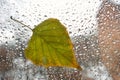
x,y
93,26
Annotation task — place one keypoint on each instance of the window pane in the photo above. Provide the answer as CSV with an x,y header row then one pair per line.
x,y
93,26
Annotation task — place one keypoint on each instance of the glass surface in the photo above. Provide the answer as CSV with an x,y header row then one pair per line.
x,y
93,26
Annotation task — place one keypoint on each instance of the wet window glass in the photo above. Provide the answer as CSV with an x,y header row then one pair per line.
x,y
93,27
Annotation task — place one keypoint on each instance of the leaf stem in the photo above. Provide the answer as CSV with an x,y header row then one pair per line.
x,y
20,22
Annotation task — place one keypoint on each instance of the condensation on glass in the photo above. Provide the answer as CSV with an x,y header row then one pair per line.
x,y
94,28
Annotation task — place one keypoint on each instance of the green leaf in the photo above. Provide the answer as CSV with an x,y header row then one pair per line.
x,y
50,45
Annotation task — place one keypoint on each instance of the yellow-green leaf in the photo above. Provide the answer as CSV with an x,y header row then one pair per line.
x,y
50,45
